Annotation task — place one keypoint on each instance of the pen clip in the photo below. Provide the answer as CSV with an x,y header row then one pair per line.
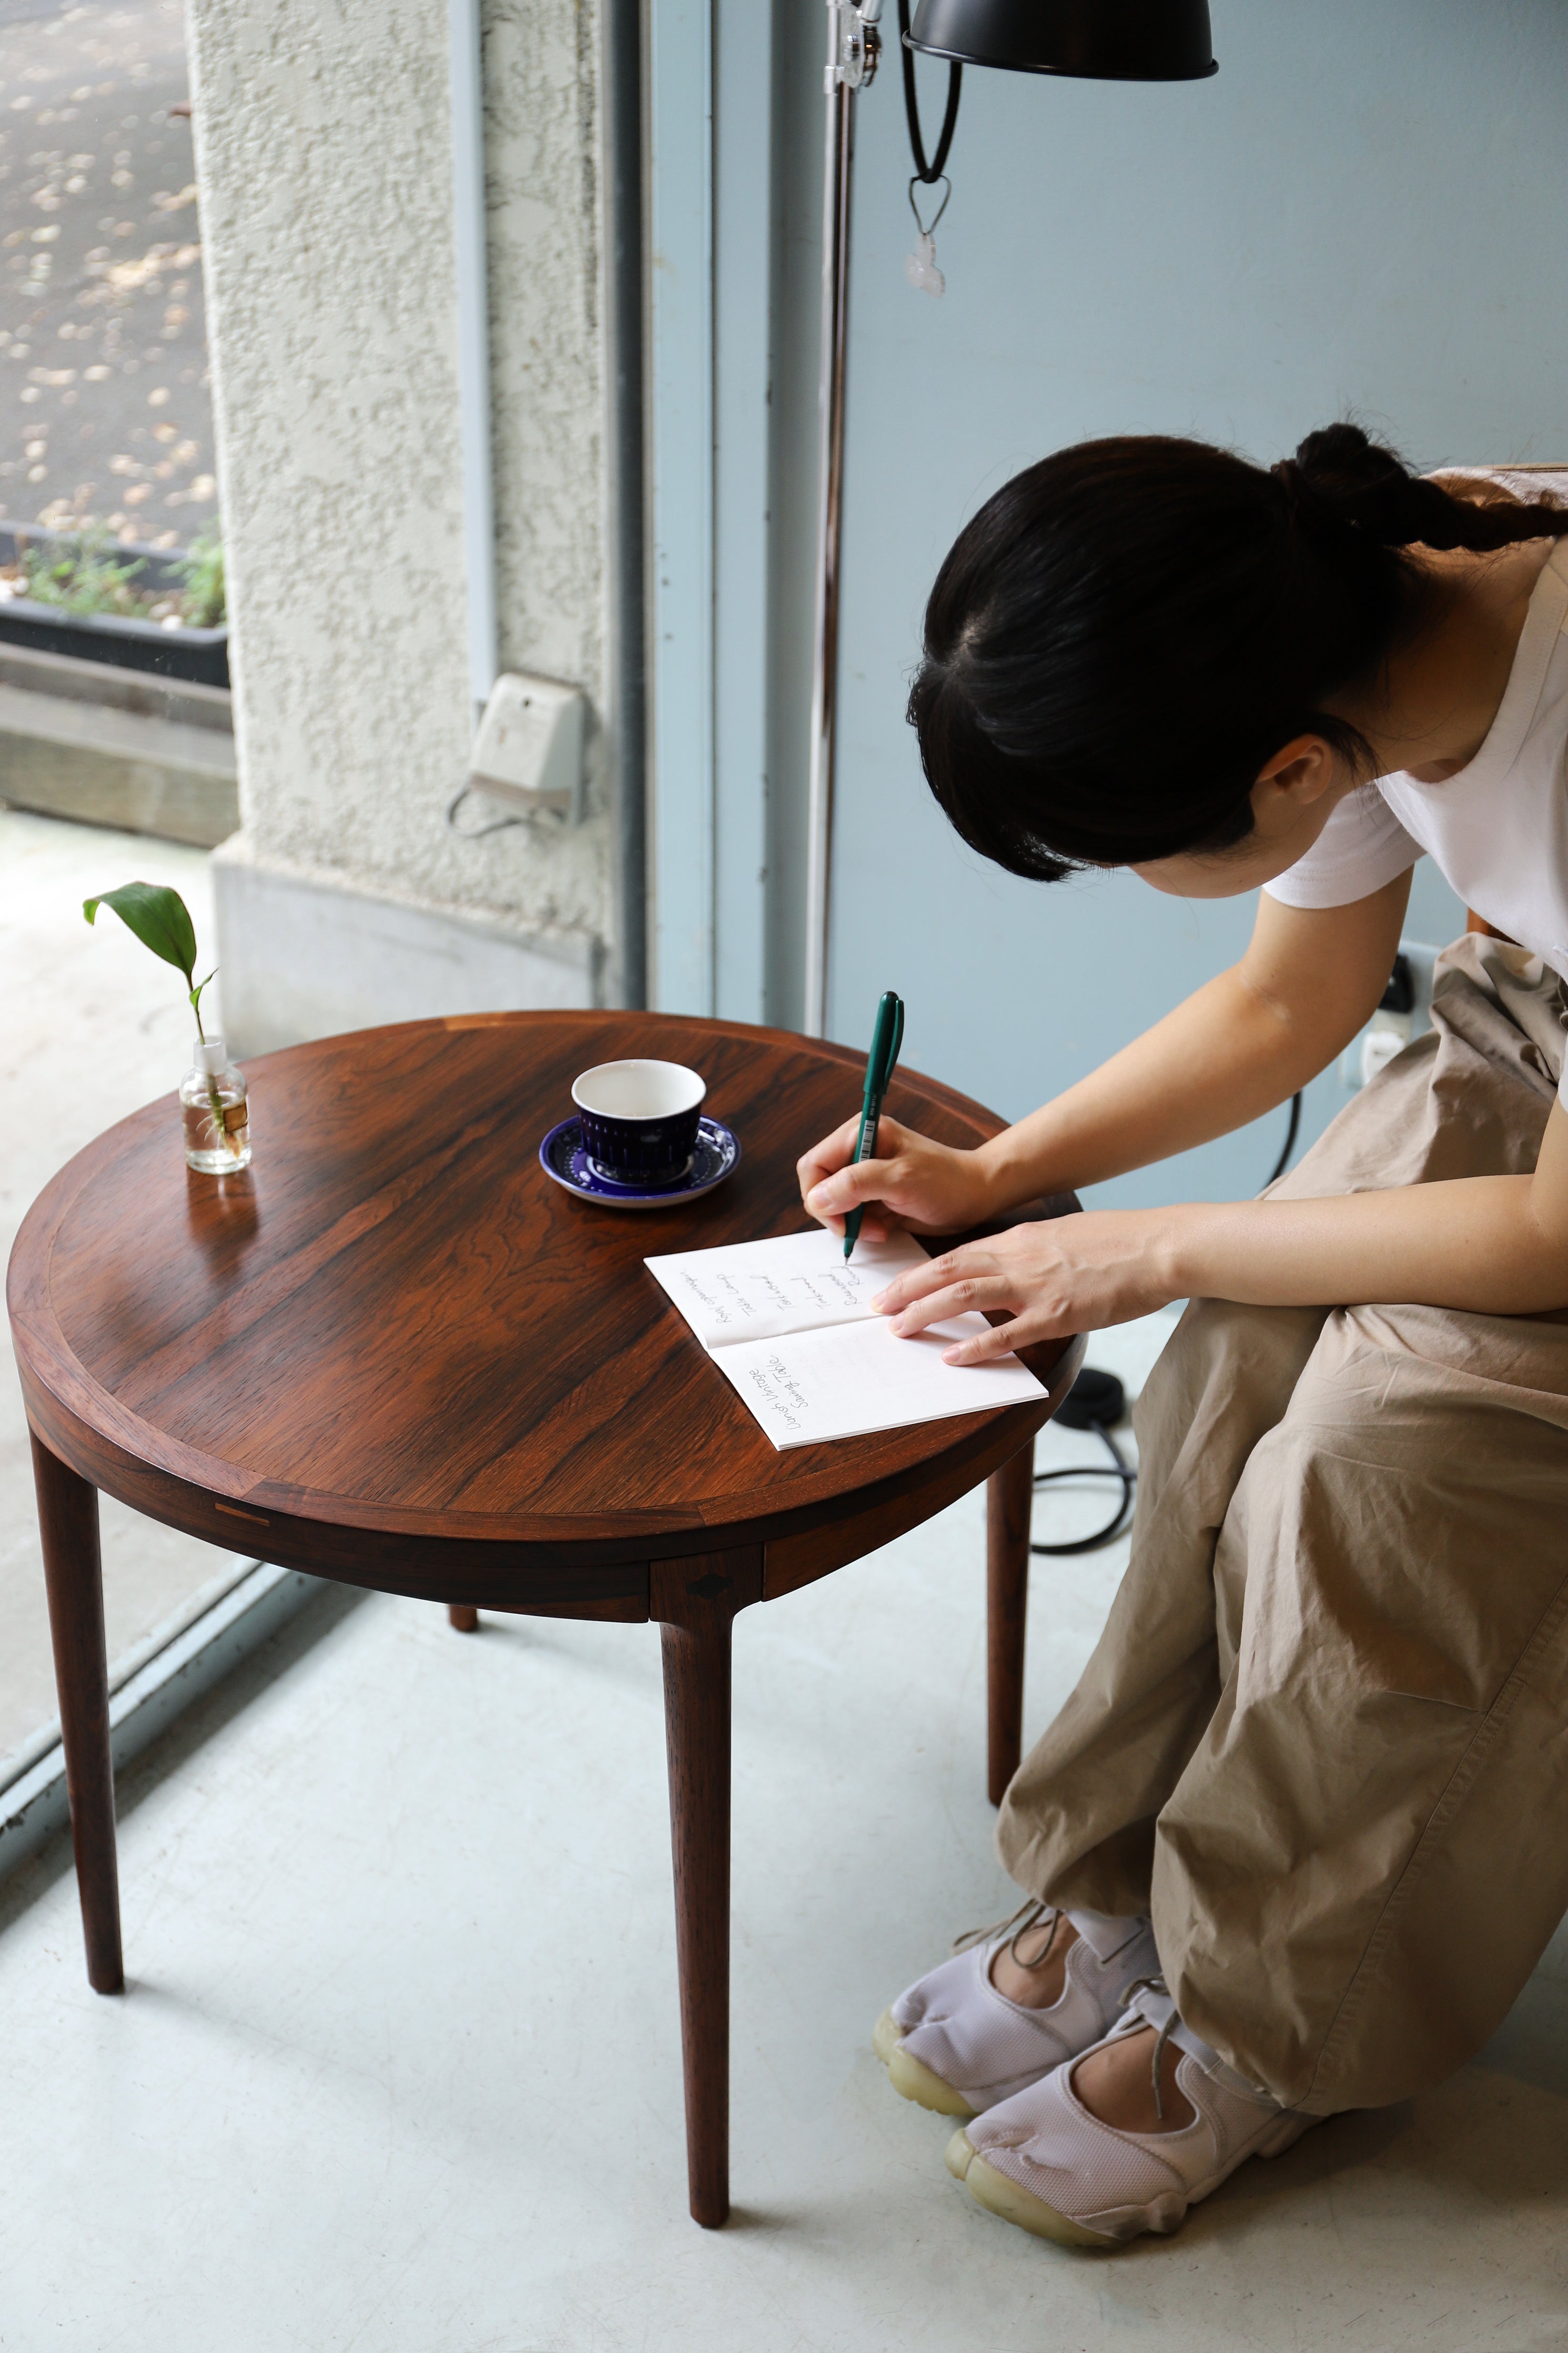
x,y
883,1058
893,1049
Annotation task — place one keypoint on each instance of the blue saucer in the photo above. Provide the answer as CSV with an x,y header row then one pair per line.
x,y
562,1157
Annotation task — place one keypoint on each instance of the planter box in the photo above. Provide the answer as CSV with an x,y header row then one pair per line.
x,y
200,656
111,747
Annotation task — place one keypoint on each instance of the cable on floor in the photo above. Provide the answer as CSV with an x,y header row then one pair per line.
x,y
1095,1401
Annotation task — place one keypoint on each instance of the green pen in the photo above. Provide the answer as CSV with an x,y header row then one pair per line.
x,y
880,1063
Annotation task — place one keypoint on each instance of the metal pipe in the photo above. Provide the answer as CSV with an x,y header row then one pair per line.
x,y
837,176
473,345
626,324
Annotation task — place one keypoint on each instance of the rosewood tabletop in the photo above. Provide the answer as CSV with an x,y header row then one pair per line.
x,y
393,1353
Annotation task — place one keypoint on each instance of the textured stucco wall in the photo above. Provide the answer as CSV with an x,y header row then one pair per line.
x,y
325,157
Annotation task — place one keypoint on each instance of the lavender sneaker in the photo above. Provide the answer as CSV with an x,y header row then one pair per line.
x,y
1042,2161
952,2042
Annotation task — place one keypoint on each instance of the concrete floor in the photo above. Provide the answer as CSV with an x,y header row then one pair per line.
x,y
398,2069
94,1027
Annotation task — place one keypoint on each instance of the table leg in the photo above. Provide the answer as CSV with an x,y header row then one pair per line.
x,y
1009,1493
67,1522
696,1601
462,1617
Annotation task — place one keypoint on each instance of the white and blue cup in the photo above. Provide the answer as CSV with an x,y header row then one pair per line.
x,y
639,1120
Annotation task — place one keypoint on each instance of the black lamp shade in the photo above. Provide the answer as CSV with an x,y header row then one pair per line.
x,y
1093,40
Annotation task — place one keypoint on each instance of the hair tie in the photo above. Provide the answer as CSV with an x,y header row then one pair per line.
x,y
1310,508
1299,491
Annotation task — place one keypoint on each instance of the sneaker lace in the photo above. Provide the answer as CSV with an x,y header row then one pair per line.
x,y
1030,1915
1162,2035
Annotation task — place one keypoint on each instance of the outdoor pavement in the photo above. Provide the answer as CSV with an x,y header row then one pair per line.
x,y
104,408
94,1028
398,2066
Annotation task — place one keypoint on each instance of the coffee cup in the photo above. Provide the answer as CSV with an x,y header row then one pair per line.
x,y
639,1120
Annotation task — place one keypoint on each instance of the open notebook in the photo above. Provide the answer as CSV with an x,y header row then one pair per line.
x,y
790,1322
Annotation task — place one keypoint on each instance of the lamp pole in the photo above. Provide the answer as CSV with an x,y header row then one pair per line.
x,y
854,45
1090,40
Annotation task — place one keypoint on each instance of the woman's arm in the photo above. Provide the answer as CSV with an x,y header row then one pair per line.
x,y
1233,1049
1239,1045
1494,1245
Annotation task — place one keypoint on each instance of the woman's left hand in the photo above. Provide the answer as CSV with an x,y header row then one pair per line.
x,y
1057,1277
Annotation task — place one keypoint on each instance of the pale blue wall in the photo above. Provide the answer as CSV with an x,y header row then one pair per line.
x,y
1363,211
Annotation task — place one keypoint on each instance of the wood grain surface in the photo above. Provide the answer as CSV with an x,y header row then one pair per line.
x,y
394,1352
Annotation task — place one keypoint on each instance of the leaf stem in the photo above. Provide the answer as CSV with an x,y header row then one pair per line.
x,y
214,1100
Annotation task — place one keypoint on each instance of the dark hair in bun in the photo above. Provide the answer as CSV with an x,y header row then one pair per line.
x,y
1125,635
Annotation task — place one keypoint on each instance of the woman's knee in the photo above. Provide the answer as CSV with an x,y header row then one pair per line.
x,y
1225,1375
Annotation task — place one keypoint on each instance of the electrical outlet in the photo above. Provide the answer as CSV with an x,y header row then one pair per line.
x,y
1392,1024
529,748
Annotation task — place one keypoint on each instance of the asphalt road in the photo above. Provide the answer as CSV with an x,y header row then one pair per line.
x,y
104,408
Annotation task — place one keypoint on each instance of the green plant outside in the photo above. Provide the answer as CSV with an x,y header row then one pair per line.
x,y
82,576
202,570
79,575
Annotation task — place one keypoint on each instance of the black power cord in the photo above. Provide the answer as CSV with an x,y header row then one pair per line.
x,y
1292,1132
1399,997
1096,1399
927,173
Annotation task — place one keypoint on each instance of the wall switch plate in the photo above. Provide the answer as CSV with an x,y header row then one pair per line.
x,y
528,751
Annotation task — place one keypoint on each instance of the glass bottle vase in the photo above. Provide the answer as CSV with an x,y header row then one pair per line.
x,y
214,1112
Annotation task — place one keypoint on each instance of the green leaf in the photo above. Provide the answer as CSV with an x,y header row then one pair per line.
x,y
159,917
202,570
80,575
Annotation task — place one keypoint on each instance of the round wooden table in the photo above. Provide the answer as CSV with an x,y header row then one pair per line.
x,y
393,1353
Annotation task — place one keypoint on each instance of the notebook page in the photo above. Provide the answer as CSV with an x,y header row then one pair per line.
x,y
806,1386
755,1291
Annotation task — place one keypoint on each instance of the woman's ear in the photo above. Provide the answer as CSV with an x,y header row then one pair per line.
x,y
1298,774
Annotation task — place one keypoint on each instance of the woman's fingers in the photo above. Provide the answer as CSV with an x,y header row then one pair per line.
x,y
937,1274
959,1299
992,1294
974,1279
847,1187
1047,1279
822,1161
996,1340
913,1184
822,1158
955,1291
832,1182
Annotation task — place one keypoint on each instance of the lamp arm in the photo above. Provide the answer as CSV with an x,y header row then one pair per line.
x,y
854,45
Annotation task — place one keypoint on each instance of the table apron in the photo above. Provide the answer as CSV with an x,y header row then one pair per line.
x,y
606,1578
530,1579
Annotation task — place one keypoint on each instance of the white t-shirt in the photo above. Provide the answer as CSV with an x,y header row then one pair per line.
x,y
1498,830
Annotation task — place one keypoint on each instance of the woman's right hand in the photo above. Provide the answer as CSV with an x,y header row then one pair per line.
x,y
927,1187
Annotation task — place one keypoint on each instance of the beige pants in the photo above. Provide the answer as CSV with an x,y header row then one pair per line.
x,y
1324,1735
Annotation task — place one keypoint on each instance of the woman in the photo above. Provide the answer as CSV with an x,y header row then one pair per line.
x,y
1300,1835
